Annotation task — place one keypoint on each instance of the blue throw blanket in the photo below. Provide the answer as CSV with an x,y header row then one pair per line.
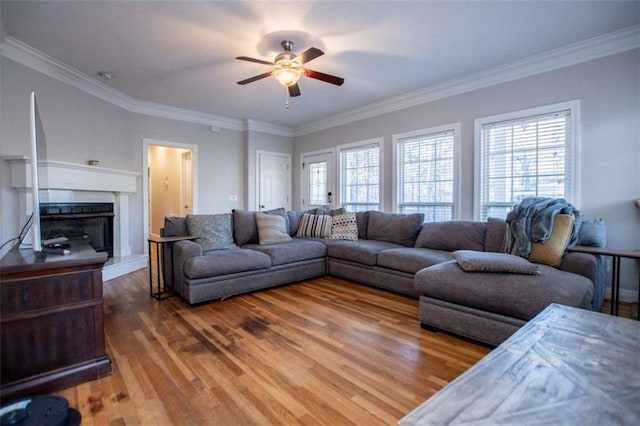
x,y
532,221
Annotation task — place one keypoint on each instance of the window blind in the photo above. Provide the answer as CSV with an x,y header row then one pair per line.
x,y
525,157
360,177
425,175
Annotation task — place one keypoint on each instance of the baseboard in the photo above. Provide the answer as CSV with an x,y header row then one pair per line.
x,y
118,266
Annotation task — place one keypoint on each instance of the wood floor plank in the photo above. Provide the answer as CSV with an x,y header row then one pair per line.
x,y
323,351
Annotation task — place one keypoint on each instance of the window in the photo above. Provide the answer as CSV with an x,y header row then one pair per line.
x,y
360,176
531,153
426,172
318,183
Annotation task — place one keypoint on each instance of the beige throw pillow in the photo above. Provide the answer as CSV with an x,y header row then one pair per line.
x,y
551,252
272,229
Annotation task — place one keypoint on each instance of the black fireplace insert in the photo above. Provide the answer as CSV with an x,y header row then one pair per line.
x,y
92,221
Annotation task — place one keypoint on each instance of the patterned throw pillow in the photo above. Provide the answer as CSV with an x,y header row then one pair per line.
x,y
272,229
344,227
312,225
212,231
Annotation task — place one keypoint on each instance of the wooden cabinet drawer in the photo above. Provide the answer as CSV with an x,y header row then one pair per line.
x,y
47,291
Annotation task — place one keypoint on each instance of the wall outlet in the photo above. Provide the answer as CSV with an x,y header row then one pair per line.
x,y
233,198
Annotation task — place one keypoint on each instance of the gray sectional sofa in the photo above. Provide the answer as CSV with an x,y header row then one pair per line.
x,y
394,252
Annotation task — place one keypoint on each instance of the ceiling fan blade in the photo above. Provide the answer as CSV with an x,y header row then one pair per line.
x,y
257,61
294,90
324,77
309,55
255,78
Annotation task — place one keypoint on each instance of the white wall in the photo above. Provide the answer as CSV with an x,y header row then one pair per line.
x,y
609,91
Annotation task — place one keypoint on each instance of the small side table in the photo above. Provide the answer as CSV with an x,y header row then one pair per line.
x,y
164,289
616,255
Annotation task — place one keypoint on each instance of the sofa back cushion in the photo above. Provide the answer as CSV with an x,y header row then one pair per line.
x,y
452,235
245,230
362,220
394,228
212,231
494,239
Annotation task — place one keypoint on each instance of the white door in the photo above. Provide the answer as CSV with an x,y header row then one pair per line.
x,y
274,180
318,180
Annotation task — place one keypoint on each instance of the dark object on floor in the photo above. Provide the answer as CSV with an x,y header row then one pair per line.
x,y
48,410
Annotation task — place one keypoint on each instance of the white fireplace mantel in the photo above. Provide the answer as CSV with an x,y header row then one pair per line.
x,y
68,176
67,182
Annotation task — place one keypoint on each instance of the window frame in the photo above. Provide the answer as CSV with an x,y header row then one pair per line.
x,y
354,146
575,137
455,128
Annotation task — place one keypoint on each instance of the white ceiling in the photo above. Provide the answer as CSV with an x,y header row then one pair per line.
x,y
181,53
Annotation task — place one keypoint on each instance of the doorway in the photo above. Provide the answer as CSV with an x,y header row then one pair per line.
x,y
317,180
169,186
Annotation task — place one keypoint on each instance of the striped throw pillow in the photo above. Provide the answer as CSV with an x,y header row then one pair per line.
x,y
312,225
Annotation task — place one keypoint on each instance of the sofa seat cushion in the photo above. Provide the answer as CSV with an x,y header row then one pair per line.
x,y
515,295
296,250
360,251
410,259
224,262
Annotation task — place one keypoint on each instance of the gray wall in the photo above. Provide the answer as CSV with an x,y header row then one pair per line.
x,y
79,127
259,141
609,91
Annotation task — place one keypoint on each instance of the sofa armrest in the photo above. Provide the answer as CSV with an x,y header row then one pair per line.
x,y
182,250
589,266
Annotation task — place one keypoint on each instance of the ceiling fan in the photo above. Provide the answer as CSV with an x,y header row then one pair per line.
x,y
287,68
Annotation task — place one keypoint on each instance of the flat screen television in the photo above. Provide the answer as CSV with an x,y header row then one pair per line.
x,y
38,151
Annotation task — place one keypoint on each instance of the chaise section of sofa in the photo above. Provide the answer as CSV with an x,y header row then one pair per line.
x,y
490,306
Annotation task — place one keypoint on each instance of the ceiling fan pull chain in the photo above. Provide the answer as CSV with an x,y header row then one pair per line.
x,y
288,97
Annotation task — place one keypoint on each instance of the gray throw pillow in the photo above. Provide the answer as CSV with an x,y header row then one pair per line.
x,y
593,233
212,231
175,226
480,261
272,229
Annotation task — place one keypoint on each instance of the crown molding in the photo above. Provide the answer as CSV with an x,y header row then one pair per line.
x,y
274,129
594,48
587,50
26,55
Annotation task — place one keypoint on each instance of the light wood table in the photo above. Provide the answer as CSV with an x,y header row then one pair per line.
x,y
566,366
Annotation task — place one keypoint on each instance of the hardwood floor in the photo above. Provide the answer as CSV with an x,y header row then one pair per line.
x,y
324,351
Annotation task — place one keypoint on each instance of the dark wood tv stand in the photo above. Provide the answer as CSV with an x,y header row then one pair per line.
x,y
51,320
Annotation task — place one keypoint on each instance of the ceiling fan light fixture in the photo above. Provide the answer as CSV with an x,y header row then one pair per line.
x,y
287,76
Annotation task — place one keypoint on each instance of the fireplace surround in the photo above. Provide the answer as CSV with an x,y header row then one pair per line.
x,y
66,183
